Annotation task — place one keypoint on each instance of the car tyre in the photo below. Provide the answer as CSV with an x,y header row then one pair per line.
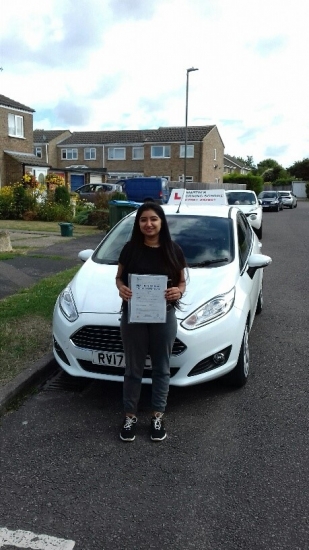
x,y
260,302
237,378
259,233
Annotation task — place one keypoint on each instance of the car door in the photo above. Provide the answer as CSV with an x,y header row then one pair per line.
x,y
250,280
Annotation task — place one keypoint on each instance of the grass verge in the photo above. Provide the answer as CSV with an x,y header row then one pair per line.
x,y
26,324
48,227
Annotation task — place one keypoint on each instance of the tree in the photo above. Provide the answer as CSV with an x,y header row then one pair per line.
x,y
300,169
248,162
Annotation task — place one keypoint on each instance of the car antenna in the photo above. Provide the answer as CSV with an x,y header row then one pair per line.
x,y
182,197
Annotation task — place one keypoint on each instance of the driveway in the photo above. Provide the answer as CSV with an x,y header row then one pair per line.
x,y
48,254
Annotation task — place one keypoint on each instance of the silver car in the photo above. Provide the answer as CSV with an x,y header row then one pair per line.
x,y
289,200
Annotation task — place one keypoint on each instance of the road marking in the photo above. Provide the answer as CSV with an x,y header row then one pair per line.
x,y
26,539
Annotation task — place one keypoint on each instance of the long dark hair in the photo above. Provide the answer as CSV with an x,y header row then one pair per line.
x,y
168,249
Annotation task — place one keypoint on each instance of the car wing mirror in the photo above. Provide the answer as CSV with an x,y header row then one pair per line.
x,y
260,201
84,255
259,260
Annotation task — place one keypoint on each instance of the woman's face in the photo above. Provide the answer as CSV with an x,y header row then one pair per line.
x,y
150,223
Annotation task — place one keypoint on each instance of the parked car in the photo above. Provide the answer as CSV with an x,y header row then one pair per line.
x,y
271,200
288,199
248,203
224,292
90,191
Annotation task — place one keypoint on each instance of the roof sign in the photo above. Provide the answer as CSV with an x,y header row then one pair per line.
x,y
198,196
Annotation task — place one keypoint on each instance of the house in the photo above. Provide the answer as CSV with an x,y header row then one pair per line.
x,y
232,165
16,143
129,153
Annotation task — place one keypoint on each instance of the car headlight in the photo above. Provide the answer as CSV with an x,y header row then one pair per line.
x,y
253,217
211,311
67,305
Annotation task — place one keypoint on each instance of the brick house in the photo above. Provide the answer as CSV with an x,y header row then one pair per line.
x,y
158,152
16,142
232,165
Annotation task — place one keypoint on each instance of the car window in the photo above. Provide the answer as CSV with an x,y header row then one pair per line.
x,y
268,195
202,238
84,189
244,239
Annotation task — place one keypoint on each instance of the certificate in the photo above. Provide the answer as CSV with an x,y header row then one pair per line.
x,y
148,303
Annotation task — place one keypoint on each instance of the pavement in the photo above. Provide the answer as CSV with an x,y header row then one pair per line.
x,y
47,254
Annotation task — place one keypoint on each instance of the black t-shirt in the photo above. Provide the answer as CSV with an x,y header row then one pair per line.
x,y
149,261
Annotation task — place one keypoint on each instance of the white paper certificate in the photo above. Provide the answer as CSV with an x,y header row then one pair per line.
x,y
148,303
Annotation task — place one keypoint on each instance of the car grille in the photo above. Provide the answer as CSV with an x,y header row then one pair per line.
x,y
98,338
88,366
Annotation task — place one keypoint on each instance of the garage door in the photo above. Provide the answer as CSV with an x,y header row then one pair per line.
x,y
95,178
76,181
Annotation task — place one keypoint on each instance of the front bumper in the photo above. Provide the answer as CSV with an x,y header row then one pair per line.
x,y
192,350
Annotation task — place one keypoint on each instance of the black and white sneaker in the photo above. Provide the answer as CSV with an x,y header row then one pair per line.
x,y
128,428
158,432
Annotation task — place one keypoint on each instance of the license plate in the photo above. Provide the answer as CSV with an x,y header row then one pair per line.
x,y
110,359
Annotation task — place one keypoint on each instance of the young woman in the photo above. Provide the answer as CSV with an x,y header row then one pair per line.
x,y
150,251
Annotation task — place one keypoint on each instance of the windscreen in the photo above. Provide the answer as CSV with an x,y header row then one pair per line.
x,y
202,238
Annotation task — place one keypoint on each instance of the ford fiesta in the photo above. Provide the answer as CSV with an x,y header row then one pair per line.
x,y
224,292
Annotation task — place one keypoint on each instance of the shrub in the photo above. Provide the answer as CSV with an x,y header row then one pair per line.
x,y
15,200
62,195
254,183
50,211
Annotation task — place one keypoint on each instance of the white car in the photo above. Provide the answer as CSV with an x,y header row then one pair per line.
x,y
224,292
288,199
248,203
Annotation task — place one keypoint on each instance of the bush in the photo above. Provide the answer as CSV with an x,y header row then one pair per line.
x,y
62,196
253,183
50,211
283,182
99,218
15,200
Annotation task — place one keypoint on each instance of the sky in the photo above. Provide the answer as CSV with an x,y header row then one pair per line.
x,y
90,65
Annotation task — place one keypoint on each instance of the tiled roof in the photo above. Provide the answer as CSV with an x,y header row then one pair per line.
x,y
7,102
49,135
236,161
26,158
160,135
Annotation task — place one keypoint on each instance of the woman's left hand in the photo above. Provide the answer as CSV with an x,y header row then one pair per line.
x,y
173,294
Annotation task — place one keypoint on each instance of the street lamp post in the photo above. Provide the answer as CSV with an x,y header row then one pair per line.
x,y
186,128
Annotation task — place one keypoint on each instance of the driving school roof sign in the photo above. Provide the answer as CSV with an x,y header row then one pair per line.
x,y
198,196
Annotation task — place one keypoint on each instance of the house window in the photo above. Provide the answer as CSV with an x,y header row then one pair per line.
x,y
69,154
190,151
16,125
38,152
90,153
137,153
116,153
188,178
160,152
215,154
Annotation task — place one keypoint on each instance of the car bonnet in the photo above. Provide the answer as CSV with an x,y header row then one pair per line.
x,y
94,288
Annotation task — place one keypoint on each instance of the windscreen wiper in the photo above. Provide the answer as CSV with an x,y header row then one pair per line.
x,y
209,262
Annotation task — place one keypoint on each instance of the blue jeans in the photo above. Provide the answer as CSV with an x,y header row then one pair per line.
x,y
140,340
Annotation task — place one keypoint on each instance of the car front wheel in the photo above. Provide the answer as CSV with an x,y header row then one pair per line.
x,y
239,375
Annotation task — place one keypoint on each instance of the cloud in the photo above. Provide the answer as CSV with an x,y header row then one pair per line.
x,y
267,46
133,9
67,113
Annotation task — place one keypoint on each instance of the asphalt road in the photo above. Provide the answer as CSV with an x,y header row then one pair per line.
x,y
233,472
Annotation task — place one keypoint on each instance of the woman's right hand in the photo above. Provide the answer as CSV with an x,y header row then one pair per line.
x,y
125,293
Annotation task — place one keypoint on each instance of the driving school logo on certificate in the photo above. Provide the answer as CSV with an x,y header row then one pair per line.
x,y
148,303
